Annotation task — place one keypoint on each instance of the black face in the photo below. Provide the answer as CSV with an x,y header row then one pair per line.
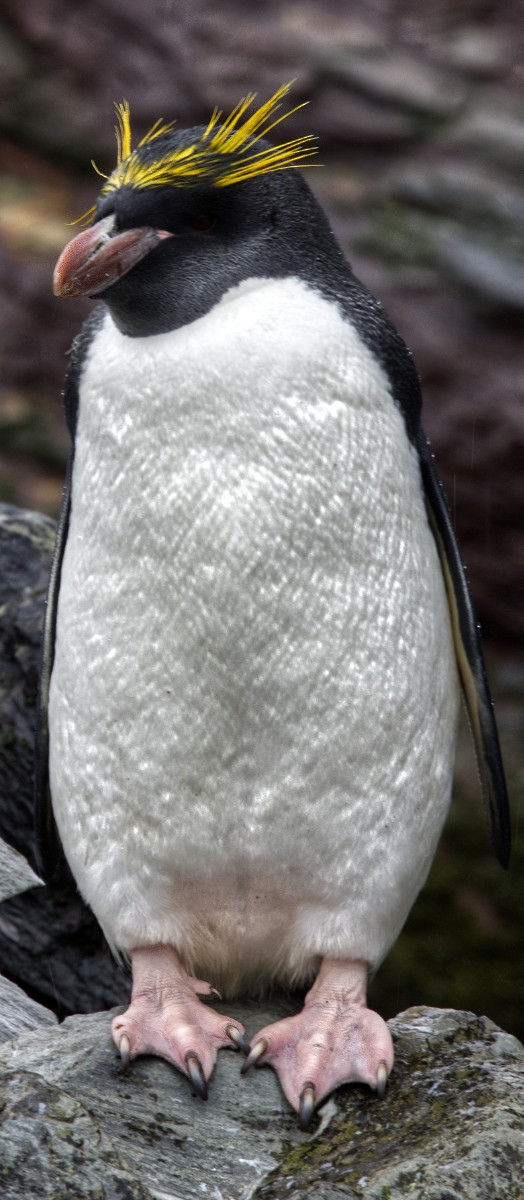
x,y
268,226
163,257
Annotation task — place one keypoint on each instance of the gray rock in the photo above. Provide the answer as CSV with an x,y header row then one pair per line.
x,y
494,276
19,1014
26,546
342,116
482,52
15,873
395,77
466,190
71,1116
334,33
495,126
15,66
449,1127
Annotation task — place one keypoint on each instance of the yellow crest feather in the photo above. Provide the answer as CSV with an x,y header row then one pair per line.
x,y
224,154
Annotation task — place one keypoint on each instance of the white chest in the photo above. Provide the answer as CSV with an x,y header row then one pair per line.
x,y
237,484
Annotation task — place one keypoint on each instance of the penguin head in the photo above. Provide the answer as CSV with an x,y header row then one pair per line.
x,y
189,214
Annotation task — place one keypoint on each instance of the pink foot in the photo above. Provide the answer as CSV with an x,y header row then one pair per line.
x,y
166,1018
334,1040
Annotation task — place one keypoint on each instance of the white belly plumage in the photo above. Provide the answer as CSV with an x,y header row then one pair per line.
x,y
254,698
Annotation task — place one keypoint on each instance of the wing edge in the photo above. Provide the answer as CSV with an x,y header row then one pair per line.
x,y
470,660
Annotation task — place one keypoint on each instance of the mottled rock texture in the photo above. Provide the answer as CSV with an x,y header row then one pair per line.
x,y
17,1012
449,1127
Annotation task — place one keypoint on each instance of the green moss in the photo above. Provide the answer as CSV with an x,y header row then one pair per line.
x,y
371,1136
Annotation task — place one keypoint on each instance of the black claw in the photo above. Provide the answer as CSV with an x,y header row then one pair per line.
x,y
382,1078
196,1075
239,1039
255,1053
307,1106
125,1052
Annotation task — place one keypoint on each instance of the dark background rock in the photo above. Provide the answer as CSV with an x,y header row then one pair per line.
x,y
52,947
26,545
17,1012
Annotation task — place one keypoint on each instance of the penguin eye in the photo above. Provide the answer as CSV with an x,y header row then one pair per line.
x,y
203,222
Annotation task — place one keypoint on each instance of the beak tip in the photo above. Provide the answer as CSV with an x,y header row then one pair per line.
x,y
61,285
64,271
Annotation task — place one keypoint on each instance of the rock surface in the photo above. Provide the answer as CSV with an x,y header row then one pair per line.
x,y
15,873
26,546
449,1128
17,1012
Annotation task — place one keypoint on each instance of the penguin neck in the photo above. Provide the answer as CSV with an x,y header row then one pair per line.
x,y
179,282
175,299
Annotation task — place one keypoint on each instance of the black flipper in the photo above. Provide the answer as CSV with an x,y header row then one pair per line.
x,y
51,859
470,660
366,315
52,865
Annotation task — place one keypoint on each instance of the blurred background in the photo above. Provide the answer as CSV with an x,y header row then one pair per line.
x,y
420,119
